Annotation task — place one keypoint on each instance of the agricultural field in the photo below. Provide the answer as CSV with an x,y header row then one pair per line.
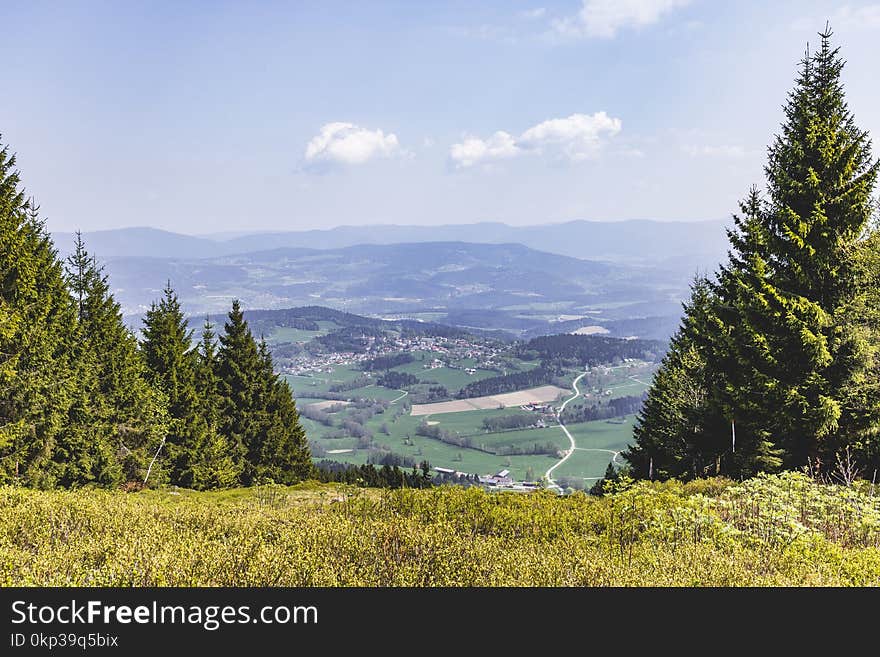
x,y
539,395
394,426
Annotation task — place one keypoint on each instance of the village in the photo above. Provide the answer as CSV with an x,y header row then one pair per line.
x,y
442,351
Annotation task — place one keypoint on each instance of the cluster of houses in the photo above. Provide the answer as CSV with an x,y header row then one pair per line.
x,y
499,480
446,350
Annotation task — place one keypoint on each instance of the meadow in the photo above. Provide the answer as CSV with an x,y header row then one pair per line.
x,y
772,530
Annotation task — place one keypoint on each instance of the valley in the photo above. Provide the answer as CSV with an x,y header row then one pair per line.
x,y
399,393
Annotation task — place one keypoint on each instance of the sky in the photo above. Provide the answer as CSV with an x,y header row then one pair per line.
x,y
204,117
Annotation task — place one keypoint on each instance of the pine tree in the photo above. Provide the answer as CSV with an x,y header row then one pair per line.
x,y
171,365
788,350
679,432
116,419
790,360
238,364
214,463
36,316
282,453
259,415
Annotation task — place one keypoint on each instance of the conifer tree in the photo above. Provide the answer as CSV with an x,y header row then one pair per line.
x,y
115,421
282,453
789,359
215,462
679,432
238,365
259,415
171,364
787,353
36,316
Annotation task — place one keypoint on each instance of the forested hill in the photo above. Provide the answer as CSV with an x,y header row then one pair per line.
x,y
307,318
589,350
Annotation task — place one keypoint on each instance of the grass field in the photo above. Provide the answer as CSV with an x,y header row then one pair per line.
x,y
708,532
523,438
597,442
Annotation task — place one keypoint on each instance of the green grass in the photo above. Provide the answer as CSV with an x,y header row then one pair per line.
x,y
603,434
471,422
708,532
452,378
523,438
606,437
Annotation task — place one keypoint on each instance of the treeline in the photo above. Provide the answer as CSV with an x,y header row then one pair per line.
x,y
496,385
83,402
605,410
587,350
776,364
508,422
396,380
369,476
359,381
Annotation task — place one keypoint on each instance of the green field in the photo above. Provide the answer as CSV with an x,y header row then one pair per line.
x,y
523,438
597,442
402,440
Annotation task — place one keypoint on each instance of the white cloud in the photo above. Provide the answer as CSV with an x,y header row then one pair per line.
x,y
474,150
573,138
605,18
726,151
346,143
578,136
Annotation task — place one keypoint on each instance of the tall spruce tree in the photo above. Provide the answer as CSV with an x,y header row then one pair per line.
x,y
785,354
171,365
259,415
790,359
238,364
115,421
215,461
36,316
282,453
679,431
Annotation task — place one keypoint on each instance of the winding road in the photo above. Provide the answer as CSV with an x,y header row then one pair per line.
x,y
549,474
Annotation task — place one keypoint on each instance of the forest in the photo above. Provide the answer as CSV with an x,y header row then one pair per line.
x,y
85,402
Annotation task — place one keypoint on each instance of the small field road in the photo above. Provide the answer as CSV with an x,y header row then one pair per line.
x,y
549,474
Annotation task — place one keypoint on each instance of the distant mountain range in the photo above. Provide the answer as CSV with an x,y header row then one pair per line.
x,y
482,286
627,278
701,243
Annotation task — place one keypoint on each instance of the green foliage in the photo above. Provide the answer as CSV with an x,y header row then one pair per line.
x,y
782,345
36,316
774,530
259,416
116,418
81,403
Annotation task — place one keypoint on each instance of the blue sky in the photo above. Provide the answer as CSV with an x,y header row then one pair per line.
x,y
225,116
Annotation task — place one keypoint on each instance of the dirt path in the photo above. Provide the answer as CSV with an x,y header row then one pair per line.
x,y
549,474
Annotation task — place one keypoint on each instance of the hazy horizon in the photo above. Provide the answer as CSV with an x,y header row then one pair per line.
x,y
285,117
232,234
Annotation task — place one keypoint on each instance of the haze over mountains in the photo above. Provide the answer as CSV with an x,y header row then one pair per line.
x,y
636,240
627,278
